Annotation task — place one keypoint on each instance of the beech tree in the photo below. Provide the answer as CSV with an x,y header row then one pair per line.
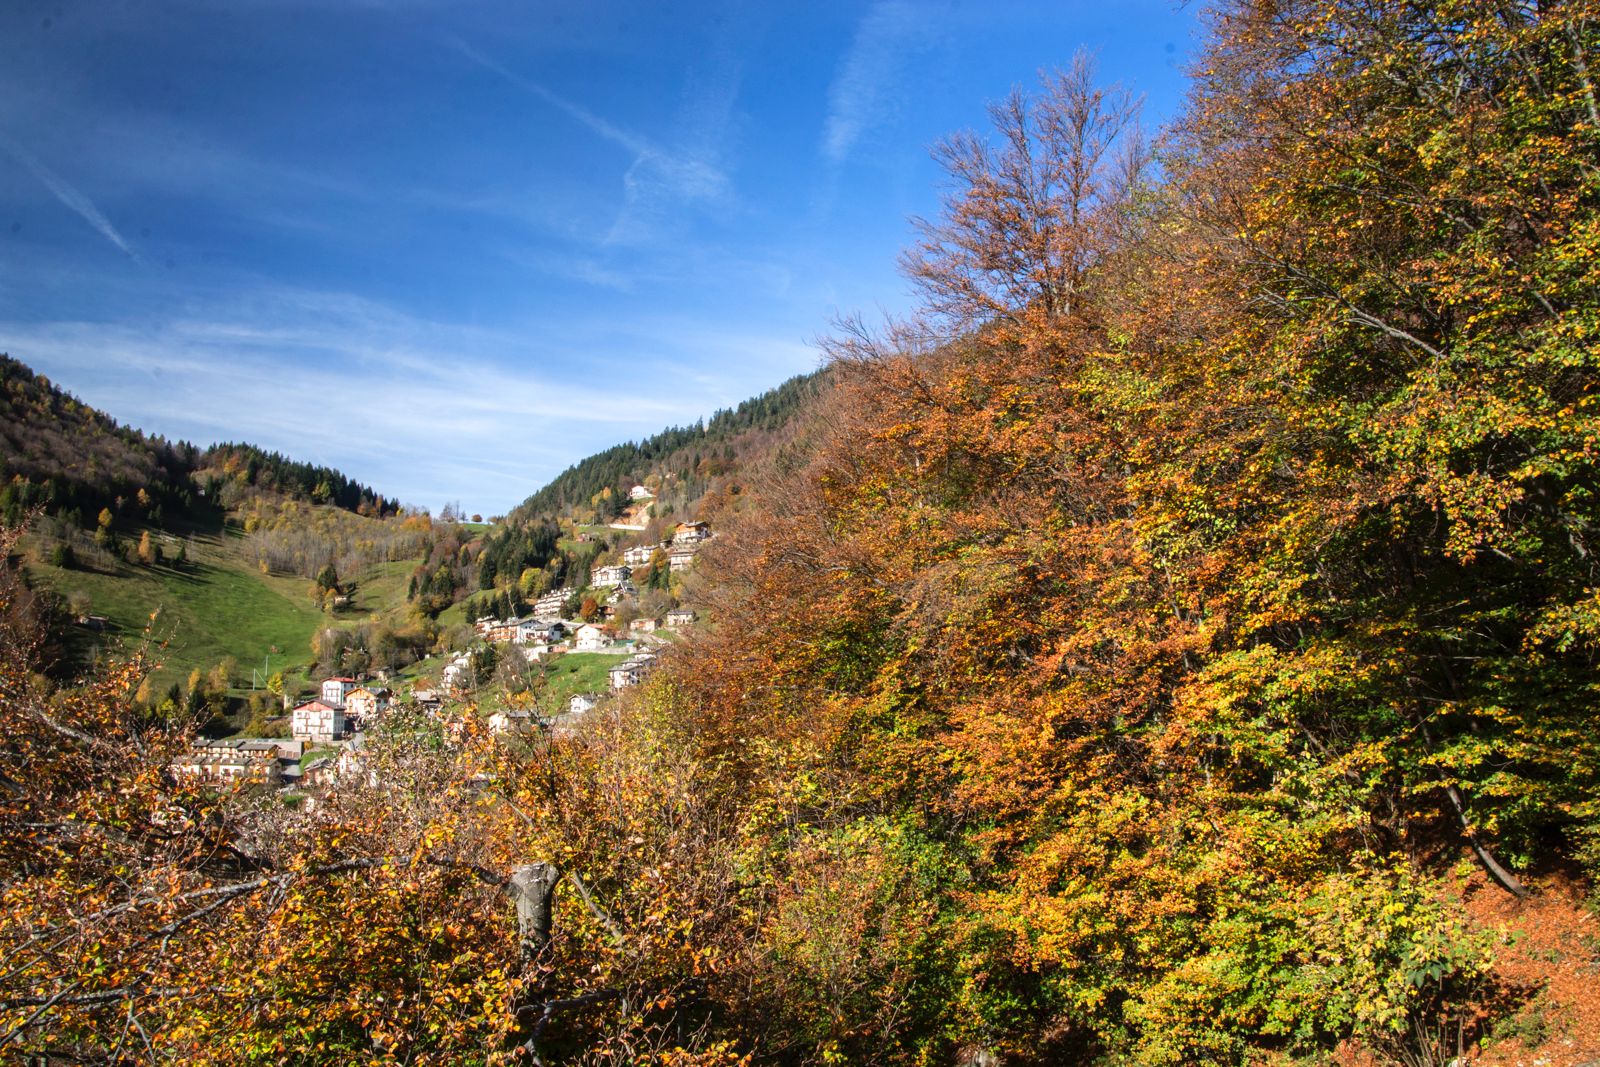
x,y
1028,220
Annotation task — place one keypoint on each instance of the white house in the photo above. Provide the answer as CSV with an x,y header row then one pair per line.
x,y
318,722
631,672
582,702
640,492
537,631
549,606
457,674
639,556
335,690
600,577
691,533
362,705
510,721
681,559
680,617
590,639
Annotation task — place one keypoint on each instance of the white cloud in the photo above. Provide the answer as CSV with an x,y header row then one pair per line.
x,y
863,92
422,410
596,125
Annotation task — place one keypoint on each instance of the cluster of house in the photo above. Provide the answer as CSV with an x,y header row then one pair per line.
x,y
545,633
679,550
536,640
521,631
343,706
268,761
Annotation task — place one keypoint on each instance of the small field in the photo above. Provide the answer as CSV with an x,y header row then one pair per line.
x,y
381,588
576,672
217,604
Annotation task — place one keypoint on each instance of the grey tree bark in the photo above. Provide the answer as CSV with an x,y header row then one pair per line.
x,y
533,889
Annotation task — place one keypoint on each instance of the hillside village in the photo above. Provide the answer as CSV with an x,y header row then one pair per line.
x,y
234,560
250,577
327,733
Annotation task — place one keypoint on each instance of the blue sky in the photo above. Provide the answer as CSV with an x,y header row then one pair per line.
x,y
452,248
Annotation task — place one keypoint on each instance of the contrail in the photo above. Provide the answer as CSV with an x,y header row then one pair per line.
x,y
688,177
599,126
68,195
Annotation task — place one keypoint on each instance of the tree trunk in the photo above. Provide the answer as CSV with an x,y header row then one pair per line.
x,y
1504,878
533,888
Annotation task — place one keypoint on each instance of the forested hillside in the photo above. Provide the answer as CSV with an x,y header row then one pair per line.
x,y
680,462
1187,645
59,454
215,551
1177,644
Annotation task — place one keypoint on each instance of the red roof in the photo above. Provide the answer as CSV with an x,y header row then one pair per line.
x,y
314,705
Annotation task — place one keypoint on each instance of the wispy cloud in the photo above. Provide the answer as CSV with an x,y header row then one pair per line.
x,y
569,267
423,410
658,174
864,89
68,194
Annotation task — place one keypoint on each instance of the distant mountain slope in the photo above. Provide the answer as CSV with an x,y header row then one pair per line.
x,y
63,455
58,453
680,463
215,549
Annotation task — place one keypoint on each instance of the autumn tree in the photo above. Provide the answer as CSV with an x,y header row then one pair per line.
x,y
150,916
1178,559
1027,220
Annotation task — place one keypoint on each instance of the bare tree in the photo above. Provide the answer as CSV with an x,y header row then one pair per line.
x,y
1028,220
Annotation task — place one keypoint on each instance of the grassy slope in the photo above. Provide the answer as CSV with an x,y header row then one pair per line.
x,y
218,605
381,588
576,672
